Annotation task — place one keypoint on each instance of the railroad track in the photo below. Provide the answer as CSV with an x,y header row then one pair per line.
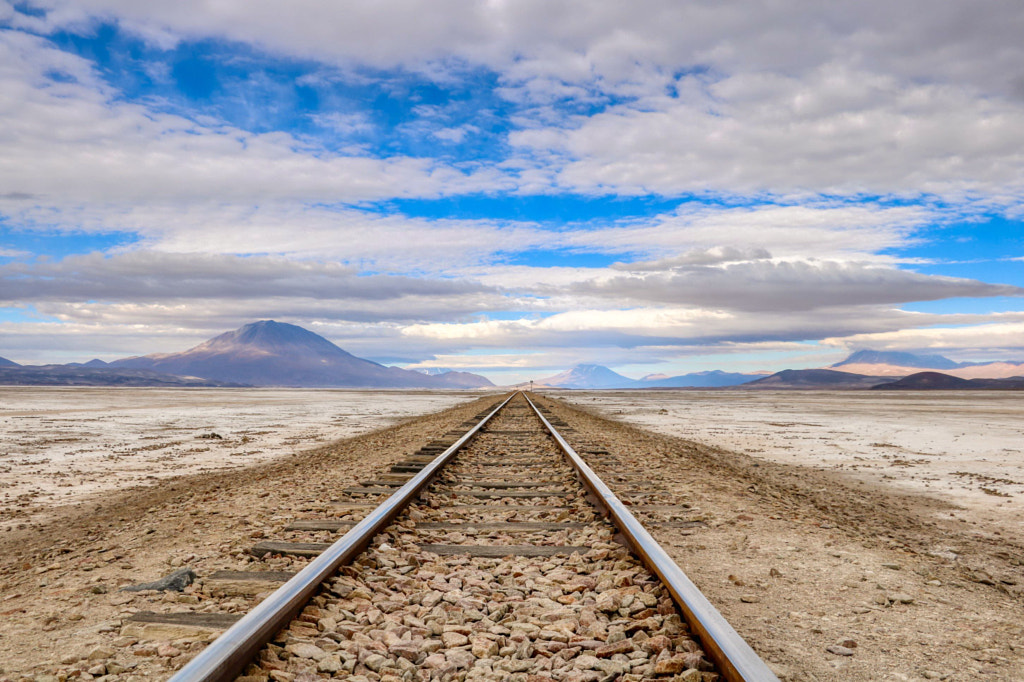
x,y
492,554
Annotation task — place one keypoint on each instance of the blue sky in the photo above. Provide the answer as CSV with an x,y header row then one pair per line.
x,y
664,187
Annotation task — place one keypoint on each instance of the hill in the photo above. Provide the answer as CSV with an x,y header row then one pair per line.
x,y
815,378
937,381
710,379
269,353
4,362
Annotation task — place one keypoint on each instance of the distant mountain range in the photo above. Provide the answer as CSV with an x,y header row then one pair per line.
x,y
265,353
861,370
599,377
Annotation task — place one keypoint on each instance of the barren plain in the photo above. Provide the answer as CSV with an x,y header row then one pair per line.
x,y
59,445
966,448
833,559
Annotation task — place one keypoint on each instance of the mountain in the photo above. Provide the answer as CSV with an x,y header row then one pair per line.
x,y
4,362
709,379
80,375
433,371
899,359
815,378
937,381
589,376
270,353
901,364
91,363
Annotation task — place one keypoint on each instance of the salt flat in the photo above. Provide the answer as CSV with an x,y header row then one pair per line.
x,y
59,444
965,447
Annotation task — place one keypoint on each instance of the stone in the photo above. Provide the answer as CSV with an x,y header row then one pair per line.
x,y
586,662
623,646
691,675
375,662
99,653
460,658
839,650
168,651
306,650
657,644
483,647
435,660
670,666
176,582
749,598
902,598
454,639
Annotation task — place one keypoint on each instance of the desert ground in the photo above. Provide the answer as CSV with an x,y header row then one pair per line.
x,y
60,445
965,448
832,558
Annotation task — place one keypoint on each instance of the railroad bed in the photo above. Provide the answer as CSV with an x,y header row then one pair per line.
x,y
499,566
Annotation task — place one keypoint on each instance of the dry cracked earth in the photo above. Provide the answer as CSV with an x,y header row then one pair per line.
x,y
828,578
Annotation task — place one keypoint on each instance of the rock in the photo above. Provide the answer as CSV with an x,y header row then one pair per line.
x,y
849,643
623,646
657,644
329,664
305,650
901,598
168,651
586,662
454,639
460,658
99,653
749,598
375,662
892,567
691,675
176,582
483,647
670,666
839,650
435,660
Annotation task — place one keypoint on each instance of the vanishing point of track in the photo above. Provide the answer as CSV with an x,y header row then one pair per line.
x,y
500,555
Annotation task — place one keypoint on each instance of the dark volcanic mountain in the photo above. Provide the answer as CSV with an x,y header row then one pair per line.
x,y
937,381
272,353
4,362
816,378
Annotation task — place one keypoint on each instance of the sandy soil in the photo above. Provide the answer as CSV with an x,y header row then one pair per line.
x,y
800,559
60,445
964,448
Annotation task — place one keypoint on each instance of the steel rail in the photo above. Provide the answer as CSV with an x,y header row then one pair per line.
x,y
730,653
228,655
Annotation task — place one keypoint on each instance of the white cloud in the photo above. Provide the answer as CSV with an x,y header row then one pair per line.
x,y
1002,339
72,141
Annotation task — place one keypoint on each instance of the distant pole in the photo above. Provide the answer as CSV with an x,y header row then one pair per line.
x,y
531,385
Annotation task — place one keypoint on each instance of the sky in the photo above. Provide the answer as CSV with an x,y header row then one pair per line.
x,y
512,188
